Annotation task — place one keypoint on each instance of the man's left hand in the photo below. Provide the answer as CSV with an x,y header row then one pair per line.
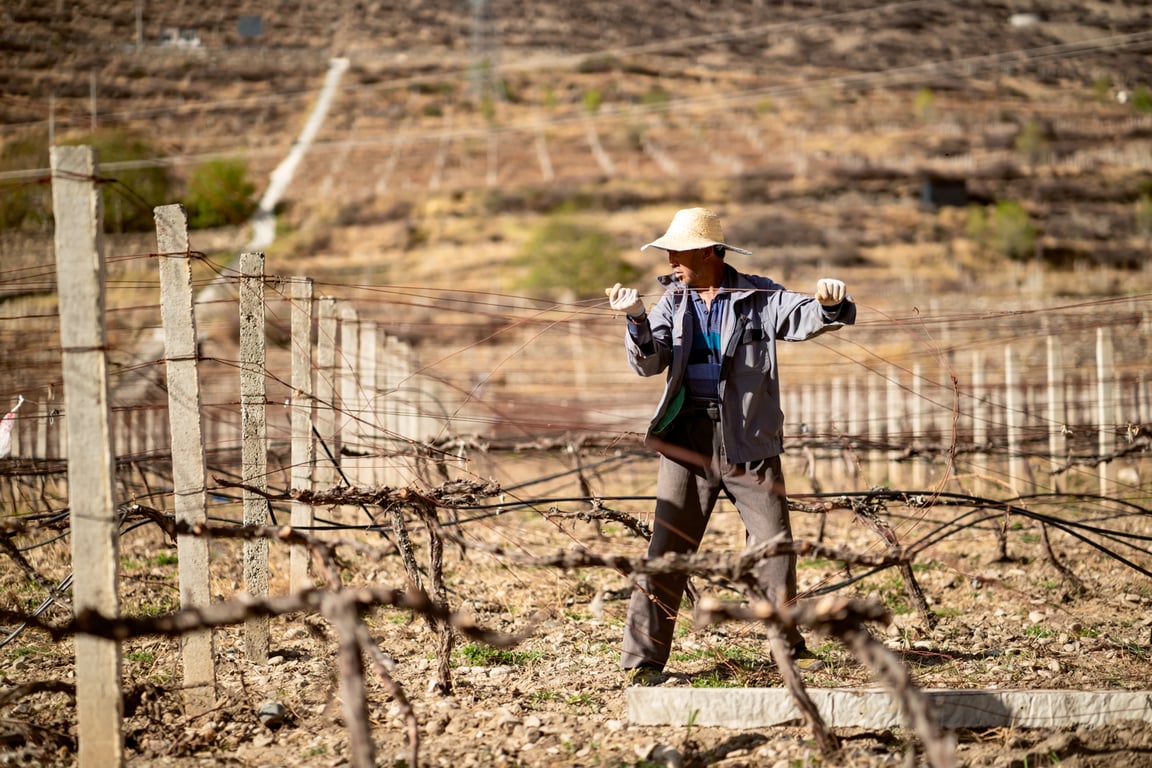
x,y
830,291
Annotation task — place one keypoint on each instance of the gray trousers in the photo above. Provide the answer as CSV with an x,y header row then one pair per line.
x,y
693,471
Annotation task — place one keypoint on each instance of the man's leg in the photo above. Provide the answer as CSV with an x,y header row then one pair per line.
x,y
685,495
758,492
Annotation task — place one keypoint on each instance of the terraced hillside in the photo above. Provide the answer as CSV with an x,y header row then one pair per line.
x,y
463,129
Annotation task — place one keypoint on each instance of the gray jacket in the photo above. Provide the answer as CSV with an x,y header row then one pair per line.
x,y
760,311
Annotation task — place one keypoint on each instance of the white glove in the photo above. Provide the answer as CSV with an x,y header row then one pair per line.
x,y
830,291
626,300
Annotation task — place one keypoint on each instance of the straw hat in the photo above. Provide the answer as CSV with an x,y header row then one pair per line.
x,y
693,228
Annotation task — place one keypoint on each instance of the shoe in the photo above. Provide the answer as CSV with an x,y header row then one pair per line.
x,y
805,660
646,676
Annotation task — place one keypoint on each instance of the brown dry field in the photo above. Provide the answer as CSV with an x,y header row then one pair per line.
x,y
807,125
556,698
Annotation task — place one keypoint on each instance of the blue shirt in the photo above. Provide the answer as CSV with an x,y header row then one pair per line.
x,y
702,378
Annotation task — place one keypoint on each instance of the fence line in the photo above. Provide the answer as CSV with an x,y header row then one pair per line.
x,y
373,428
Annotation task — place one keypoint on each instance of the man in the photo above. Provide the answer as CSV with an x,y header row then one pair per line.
x,y
719,426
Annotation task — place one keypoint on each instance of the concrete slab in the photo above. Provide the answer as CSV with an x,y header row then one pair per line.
x,y
876,709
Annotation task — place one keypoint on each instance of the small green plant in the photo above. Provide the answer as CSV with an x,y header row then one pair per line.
x,y
715,679
1037,630
1134,649
925,104
894,596
592,100
158,607
28,650
583,701
479,655
543,696
141,657
166,558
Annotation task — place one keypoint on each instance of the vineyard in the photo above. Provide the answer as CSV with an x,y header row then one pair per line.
x,y
376,497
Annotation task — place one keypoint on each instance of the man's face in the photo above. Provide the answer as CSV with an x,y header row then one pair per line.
x,y
693,268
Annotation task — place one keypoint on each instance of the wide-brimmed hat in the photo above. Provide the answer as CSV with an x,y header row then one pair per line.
x,y
693,228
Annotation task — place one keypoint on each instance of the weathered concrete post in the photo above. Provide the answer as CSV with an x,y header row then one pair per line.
x,y
1013,412
254,446
369,426
77,207
1057,417
327,335
1105,406
303,446
348,421
189,473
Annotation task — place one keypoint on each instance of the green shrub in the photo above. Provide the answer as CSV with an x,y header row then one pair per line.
x,y
565,257
656,96
1144,216
1012,232
1032,142
25,203
1102,88
129,193
132,192
1007,229
592,100
1142,100
220,194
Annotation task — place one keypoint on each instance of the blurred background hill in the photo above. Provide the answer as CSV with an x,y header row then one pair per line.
x,y
487,167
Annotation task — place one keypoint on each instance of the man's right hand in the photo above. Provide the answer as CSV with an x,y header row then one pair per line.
x,y
626,300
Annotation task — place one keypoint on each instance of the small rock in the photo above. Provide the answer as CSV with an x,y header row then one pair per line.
x,y
667,756
1036,617
507,722
272,714
438,725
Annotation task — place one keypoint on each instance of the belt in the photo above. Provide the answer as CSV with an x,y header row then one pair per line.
x,y
709,408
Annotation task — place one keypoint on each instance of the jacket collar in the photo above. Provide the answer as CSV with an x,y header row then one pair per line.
x,y
735,282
